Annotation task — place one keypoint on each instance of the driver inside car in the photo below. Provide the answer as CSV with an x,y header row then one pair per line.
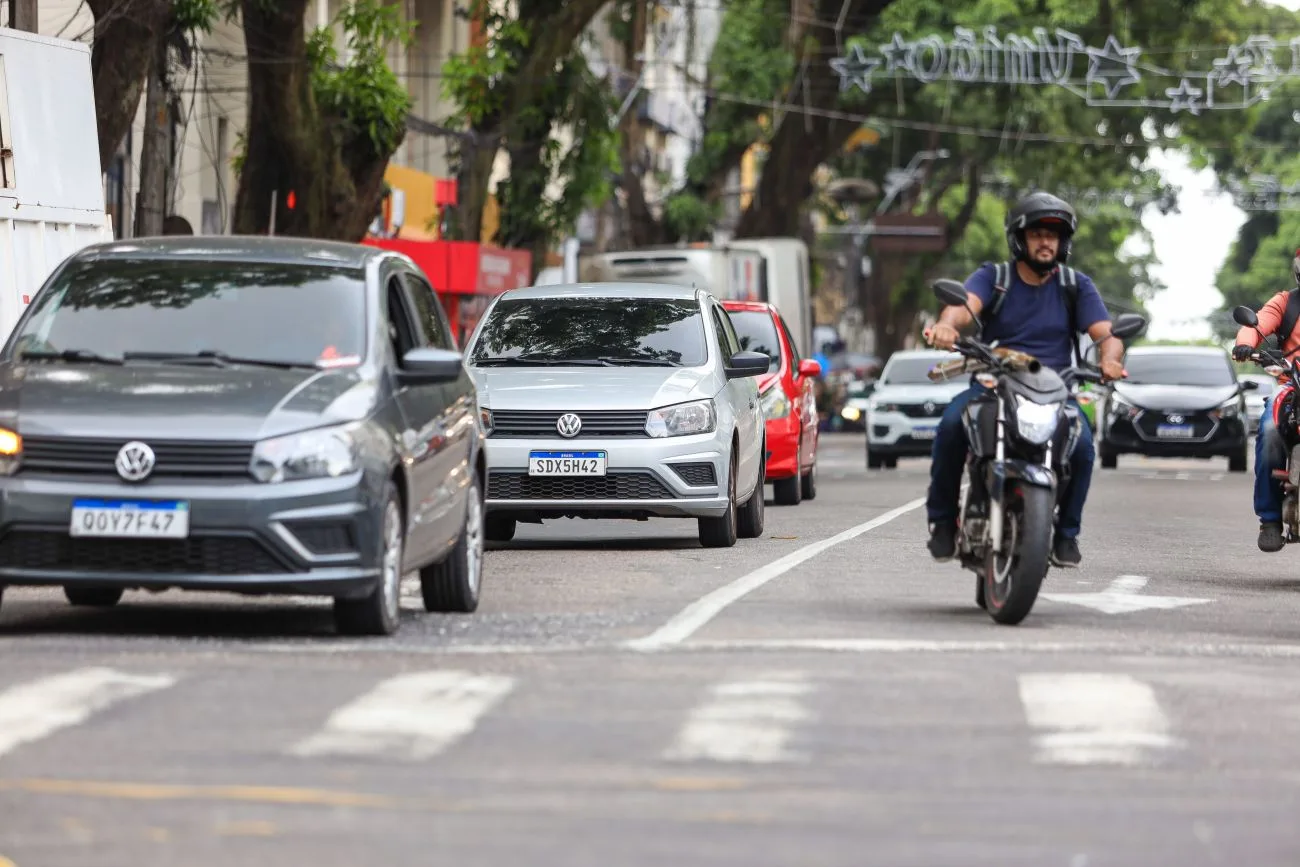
x,y
1031,313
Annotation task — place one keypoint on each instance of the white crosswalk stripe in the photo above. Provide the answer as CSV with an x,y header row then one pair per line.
x,y
1093,718
744,721
414,716
39,708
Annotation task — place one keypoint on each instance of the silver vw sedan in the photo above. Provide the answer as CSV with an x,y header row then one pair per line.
x,y
619,400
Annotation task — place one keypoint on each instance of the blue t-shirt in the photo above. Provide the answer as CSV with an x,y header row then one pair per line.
x,y
1034,319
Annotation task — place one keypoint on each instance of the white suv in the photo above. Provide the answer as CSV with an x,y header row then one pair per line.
x,y
904,410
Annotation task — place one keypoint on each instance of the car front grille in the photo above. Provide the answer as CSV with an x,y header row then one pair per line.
x,y
174,459
615,486
1150,421
541,424
922,410
198,555
698,475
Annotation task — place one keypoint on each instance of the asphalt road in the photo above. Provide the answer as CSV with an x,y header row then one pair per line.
x,y
824,695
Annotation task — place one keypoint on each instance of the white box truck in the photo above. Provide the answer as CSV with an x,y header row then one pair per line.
x,y
51,186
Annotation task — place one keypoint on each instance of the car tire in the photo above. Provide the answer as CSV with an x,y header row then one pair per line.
x,y
380,612
874,461
720,532
454,583
1237,463
93,597
789,492
1109,460
499,529
809,482
749,522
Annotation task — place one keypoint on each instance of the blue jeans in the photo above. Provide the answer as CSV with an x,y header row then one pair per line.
x,y
1270,455
948,459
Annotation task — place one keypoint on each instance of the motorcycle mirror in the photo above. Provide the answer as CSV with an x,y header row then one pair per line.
x,y
1128,325
949,292
1243,315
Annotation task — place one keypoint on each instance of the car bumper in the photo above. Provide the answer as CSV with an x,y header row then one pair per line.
x,y
898,435
312,537
1146,435
783,447
684,477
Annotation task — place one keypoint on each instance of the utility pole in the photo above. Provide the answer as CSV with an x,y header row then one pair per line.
x,y
151,200
22,15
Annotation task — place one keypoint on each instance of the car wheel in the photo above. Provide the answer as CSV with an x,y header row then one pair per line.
x,y
380,612
1109,460
93,597
453,584
809,482
720,532
749,523
498,528
1237,463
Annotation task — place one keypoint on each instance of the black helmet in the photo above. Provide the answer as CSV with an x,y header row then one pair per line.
x,y
1044,210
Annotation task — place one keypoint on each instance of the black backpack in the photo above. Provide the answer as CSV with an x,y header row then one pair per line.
x,y
1069,283
1289,318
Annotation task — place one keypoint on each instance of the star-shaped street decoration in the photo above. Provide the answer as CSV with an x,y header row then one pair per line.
x,y
855,69
1233,69
1184,97
896,54
1112,66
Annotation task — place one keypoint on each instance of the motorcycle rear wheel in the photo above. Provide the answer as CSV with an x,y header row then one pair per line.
x,y
1011,588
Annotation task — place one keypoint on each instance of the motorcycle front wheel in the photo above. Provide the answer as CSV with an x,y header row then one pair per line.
x,y
1011,580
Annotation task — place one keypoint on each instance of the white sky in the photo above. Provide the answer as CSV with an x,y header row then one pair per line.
x,y
1191,245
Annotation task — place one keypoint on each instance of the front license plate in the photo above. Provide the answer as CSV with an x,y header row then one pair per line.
x,y
1174,431
131,519
923,433
567,463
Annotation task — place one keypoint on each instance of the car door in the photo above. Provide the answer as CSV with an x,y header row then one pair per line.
x,y
443,416
743,395
805,402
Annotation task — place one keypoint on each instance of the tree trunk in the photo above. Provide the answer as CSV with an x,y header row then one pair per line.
x,y
119,64
155,153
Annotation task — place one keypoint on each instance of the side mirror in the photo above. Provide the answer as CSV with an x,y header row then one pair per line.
x,y
949,292
1249,385
427,366
744,364
1128,325
808,367
1243,315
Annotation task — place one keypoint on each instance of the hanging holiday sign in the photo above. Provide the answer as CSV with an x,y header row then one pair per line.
x,y
1238,79
1264,193
1087,199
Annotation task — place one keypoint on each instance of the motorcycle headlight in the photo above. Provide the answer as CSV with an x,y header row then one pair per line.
x,y
315,454
775,403
1036,421
684,419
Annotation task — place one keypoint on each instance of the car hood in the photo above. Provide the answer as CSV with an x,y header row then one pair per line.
x,y
240,403
588,388
1175,397
939,392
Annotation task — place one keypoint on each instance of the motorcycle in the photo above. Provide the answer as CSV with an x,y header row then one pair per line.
x,y
1286,420
1021,432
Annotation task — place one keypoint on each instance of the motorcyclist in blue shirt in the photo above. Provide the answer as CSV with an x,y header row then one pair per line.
x,y
1033,315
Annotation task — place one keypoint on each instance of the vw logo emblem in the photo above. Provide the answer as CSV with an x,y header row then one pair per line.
x,y
135,461
929,407
568,425
1176,419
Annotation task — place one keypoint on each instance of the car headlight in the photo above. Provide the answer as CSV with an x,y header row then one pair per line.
x,y
485,419
696,417
11,451
852,413
315,454
1036,421
1228,409
1118,406
877,406
775,403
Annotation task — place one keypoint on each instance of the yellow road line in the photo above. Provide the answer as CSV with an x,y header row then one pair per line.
x,y
246,794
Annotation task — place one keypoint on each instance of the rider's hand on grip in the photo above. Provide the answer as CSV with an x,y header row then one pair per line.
x,y
1241,352
941,335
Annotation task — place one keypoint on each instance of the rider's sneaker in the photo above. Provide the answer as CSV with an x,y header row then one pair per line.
x,y
943,540
1270,537
1065,553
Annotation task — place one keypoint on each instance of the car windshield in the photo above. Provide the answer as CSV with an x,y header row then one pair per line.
x,y
910,371
285,314
1171,369
757,333
592,331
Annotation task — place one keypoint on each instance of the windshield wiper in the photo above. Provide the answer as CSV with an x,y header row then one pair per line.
x,y
651,361
214,357
82,355
529,358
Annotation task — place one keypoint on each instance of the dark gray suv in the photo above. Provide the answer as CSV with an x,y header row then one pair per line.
x,y
245,414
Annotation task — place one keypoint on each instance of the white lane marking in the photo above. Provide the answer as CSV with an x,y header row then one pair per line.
x,y
1094,718
38,708
1124,596
694,616
413,716
744,721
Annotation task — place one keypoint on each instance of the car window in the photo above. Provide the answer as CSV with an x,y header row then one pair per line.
x,y
727,344
401,329
795,358
1178,369
756,332
290,313
592,330
909,371
429,312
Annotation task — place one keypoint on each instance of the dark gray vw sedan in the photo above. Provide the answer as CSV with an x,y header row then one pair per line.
x,y
245,414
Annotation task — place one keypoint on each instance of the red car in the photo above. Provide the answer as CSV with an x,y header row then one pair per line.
x,y
789,401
